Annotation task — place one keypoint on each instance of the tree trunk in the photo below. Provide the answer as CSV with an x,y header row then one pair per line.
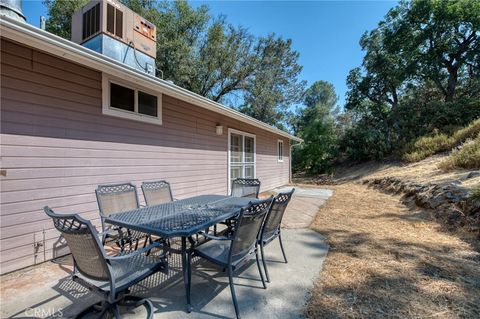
x,y
452,84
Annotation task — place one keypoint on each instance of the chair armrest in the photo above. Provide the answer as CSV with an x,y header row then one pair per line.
x,y
137,252
214,237
110,230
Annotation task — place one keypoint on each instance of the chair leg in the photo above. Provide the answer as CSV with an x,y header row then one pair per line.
x,y
264,263
189,271
116,312
281,246
232,289
260,269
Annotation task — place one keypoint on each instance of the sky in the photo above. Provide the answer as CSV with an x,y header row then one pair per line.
x,y
325,33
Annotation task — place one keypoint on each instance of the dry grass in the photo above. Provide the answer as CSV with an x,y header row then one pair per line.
x,y
468,156
426,146
389,261
426,171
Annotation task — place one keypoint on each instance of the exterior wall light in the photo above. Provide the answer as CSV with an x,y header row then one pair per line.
x,y
219,129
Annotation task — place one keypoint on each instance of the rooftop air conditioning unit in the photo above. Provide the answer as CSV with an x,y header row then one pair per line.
x,y
112,29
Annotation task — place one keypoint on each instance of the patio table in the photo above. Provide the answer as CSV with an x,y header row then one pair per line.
x,y
182,218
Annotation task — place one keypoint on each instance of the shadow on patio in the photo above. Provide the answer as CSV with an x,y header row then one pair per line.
x,y
47,291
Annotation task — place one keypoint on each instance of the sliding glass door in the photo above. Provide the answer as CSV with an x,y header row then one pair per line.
x,y
241,155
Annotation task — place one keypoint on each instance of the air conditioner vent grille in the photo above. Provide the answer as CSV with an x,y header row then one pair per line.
x,y
114,21
91,22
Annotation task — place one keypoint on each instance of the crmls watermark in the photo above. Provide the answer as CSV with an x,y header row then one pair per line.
x,y
42,312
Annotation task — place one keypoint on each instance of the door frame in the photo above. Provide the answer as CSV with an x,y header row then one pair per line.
x,y
234,131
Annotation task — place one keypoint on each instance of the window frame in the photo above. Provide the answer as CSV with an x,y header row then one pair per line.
x,y
107,109
280,158
243,163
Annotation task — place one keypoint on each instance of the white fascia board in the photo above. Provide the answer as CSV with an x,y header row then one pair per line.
x,y
34,37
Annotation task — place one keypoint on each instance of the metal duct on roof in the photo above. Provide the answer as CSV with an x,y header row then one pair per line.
x,y
13,9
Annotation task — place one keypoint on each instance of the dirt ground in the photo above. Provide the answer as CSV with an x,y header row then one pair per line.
x,y
387,260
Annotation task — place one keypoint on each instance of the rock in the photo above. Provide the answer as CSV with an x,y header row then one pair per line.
x,y
473,174
436,201
455,216
450,201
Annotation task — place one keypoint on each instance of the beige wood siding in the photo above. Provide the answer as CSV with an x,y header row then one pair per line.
x,y
56,147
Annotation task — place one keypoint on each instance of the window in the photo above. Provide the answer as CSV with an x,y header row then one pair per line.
x,y
114,21
241,155
91,22
280,151
122,98
130,101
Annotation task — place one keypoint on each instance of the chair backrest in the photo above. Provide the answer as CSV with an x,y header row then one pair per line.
x,y
116,198
245,187
248,227
82,239
273,220
157,192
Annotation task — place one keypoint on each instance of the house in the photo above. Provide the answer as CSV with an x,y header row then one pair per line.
x,y
72,119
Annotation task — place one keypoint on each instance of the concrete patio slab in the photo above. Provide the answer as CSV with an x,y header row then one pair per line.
x,y
304,205
46,290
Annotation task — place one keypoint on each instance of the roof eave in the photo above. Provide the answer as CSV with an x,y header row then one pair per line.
x,y
35,37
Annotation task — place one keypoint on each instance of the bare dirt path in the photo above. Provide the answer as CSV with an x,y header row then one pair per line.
x,y
387,260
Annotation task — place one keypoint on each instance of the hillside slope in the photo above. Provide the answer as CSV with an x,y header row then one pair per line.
x,y
425,171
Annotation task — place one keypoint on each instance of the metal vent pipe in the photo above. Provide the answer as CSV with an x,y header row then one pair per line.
x,y
12,9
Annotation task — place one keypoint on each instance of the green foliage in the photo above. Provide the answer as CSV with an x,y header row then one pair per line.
x,y
417,117
274,85
317,153
439,38
320,101
466,156
211,57
420,76
60,14
475,194
365,141
470,131
429,145
315,124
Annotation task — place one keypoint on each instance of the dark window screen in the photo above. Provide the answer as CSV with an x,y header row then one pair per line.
x,y
110,19
119,23
122,97
147,104
91,22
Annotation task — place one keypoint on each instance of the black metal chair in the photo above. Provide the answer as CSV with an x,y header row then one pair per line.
x,y
110,276
241,187
113,199
157,192
245,187
271,226
233,252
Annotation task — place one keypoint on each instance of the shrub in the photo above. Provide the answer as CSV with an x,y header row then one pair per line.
x,y
466,156
470,131
426,146
364,142
475,194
